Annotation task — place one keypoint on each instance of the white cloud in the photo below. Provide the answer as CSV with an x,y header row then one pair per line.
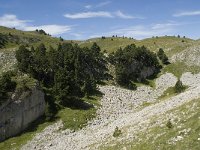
x,y
98,5
103,4
164,25
88,6
51,29
187,13
104,14
125,16
89,15
121,15
11,21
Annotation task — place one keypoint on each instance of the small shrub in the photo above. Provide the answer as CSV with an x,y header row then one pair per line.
x,y
6,86
179,87
61,39
162,56
117,132
169,124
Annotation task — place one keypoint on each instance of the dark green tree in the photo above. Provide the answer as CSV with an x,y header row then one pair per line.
x,y
6,86
61,39
23,56
162,56
179,87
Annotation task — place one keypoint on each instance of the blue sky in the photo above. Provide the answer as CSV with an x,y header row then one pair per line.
x,y
83,19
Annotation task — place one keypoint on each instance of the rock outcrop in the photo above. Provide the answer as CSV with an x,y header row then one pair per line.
x,y
20,111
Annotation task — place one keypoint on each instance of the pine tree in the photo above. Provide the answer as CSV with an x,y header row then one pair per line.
x,y
162,56
23,56
179,87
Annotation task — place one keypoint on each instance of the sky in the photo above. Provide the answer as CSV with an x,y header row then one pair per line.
x,y
84,19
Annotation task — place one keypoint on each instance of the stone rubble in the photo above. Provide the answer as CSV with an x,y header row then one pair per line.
x,y
7,59
191,56
119,107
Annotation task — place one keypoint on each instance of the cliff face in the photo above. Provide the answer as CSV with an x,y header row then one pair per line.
x,y
18,113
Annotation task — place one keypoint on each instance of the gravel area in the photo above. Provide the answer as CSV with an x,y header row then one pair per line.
x,y
191,56
7,60
122,108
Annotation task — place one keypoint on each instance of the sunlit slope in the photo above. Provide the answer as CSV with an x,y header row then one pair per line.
x,y
170,44
15,37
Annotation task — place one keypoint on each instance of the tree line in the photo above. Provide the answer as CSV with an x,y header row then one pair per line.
x,y
67,72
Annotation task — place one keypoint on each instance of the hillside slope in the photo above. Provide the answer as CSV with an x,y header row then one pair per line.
x,y
14,38
125,119
170,44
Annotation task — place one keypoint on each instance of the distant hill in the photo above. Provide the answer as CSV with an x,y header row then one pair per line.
x,y
14,37
170,44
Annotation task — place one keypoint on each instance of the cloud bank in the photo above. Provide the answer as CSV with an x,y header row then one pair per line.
x,y
11,21
187,13
102,14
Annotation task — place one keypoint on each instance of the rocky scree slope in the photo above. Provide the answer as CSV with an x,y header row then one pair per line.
x,y
121,108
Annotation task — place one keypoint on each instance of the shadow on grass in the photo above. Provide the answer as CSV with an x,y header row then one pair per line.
x,y
35,124
97,93
76,103
79,103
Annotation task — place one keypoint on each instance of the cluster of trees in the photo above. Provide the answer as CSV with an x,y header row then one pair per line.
x,y
41,32
162,56
67,72
130,62
6,86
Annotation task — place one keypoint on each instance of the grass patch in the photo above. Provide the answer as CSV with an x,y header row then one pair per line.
x,y
168,93
110,44
171,44
146,82
179,68
77,118
145,104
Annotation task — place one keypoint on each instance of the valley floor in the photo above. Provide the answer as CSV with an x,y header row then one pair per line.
x,y
140,115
